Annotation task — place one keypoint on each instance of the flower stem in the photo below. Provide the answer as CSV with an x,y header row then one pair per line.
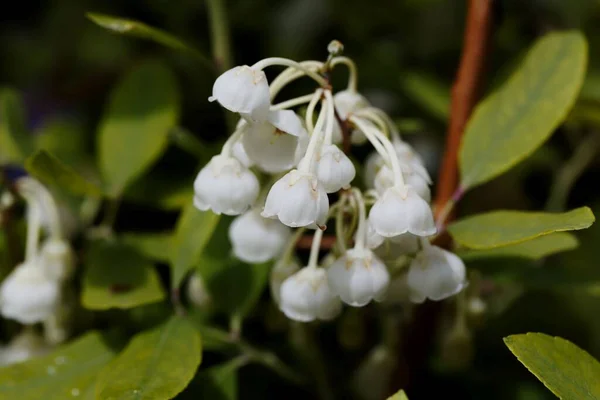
x,y
293,102
219,31
314,248
330,117
361,231
353,78
267,62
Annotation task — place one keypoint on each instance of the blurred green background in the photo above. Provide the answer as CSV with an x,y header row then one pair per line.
x,y
407,52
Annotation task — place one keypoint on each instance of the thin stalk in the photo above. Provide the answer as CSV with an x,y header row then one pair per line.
x,y
219,32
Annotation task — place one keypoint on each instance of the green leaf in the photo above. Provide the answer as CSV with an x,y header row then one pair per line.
x,y
156,246
117,276
157,364
534,249
15,141
427,92
134,130
568,371
161,192
69,372
53,172
141,30
501,228
219,382
193,231
516,119
399,396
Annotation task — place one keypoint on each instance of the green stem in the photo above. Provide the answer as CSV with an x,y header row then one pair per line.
x,y
219,30
110,214
186,141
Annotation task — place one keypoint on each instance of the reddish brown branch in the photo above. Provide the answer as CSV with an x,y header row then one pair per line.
x,y
464,95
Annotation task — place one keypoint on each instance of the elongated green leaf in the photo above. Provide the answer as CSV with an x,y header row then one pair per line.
x,y
157,364
156,246
399,396
193,232
116,276
501,228
429,93
69,372
516,119
134,130
568,371
51,171
15,142
534,249
141,30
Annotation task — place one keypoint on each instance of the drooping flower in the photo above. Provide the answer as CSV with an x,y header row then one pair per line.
x,y
298,199
306,296
225,186
244,90
401,210
385,179
57,258
348,102
256,239
435,274
334,169
282,270
358,277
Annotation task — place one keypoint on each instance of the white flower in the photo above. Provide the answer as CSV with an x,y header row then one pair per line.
x,y
240,154
374,239
57,258
385,179
256,239
334,169
358,277
306,296
281,271
243,90
297,199
28,295
277,144
197,292
410,163
225,186
435,274
24,346
346,103
401,210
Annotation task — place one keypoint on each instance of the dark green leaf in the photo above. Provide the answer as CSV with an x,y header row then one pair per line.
x,y
117,276
428,93
568,371
219,382
156,246
16,143
156,365
134,130
501,228
399,396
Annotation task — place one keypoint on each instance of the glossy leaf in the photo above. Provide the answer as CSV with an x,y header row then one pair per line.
x,y
141,30
53,172
194,230
501,228
568,371
156,246
69,372
517,118
399,396
534,249
157,364
15,142
116,276
134,130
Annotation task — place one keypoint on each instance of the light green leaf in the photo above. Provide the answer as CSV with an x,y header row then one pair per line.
x,y
141,30
568,371
69,372
156,246
534,249
15,142
399,396
134,130
157,364
193,231
501,228
516,119
51,171
428,92
116,276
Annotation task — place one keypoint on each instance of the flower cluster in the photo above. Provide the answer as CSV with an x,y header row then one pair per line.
x,y
301,151
32,292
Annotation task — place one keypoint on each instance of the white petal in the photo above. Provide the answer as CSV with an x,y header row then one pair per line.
x,y
243,90
282,270
334,169
269,148
373,164
239,152
287,121
348,102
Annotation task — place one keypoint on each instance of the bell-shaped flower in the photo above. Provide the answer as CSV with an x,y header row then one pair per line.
x,y
358,277
28,295
385,179
256,239
57,258
435,274
400,210
243,90
306,296
410,163
25,346
282,270
346,103
276,144
225,186
298,199
239,152
334,169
